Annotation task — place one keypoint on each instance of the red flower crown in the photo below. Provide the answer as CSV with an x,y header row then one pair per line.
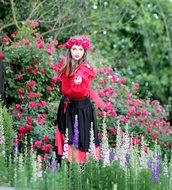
x,y
83,41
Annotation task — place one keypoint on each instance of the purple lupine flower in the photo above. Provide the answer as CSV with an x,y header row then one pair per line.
x,y
53,166
155,166
76,133
113,156
127,157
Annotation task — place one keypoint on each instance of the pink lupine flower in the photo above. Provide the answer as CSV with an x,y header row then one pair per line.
x,y
115,78
149,130
136,141
40,43
21,135
55,43
36,23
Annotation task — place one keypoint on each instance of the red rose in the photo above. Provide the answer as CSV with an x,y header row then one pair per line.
x,y
21,91
155,136
46,139
20,77
2,56
112,130
29,128
22,130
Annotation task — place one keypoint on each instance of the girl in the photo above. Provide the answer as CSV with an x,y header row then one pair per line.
x,y
76,113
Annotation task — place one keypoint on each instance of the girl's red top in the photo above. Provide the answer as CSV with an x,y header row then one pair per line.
x,y
78,86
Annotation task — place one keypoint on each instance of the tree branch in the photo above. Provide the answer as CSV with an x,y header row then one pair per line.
x,y
13,12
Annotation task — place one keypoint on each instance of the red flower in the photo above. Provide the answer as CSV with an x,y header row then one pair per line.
x,y
136,141
37,144
6,40
155,136
29,128
31,95
22,130
122,80
136,86
112,130
21,135
18,107
20,77
21,91
19,116
29,120
31,84
2,57
46,139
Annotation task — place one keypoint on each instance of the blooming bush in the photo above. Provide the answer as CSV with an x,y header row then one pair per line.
x,y
30,86
32,83
145,118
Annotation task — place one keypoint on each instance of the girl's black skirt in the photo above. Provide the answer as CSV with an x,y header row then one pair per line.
x,y
85,111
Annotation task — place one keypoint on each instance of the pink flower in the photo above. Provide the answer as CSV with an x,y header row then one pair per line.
x,y
29,120
122,80
20,77
26,42
40,43
19,116
18,107
36,23
21,91
13,35
155,136
2,57
6,40
136,86
55,43
149,130
31,95
31,84
115,79
21,135
29,128
32,105
37,144
112,130
38,95
43,104
51,50
46,139
22,130
44,116
136,141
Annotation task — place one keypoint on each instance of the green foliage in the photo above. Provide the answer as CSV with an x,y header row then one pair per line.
x,y
8,131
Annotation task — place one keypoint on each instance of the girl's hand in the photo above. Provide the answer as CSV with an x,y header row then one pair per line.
x,y
78,80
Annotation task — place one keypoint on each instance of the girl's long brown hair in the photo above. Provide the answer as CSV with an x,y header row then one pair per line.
x,y
67,68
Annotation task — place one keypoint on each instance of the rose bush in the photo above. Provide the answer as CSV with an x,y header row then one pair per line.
x,y
30,86
144,117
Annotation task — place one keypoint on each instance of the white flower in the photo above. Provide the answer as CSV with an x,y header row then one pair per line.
x,y
78,80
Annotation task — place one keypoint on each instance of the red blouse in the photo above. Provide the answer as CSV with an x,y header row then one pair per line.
x,y
78,86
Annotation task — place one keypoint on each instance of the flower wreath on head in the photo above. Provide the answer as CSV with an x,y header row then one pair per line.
x,y
83,41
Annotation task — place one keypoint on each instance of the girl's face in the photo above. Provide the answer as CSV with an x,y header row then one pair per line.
x,y
77,52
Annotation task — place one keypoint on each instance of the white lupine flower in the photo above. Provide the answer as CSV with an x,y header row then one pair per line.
x,y
105,145
92,142
65,152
